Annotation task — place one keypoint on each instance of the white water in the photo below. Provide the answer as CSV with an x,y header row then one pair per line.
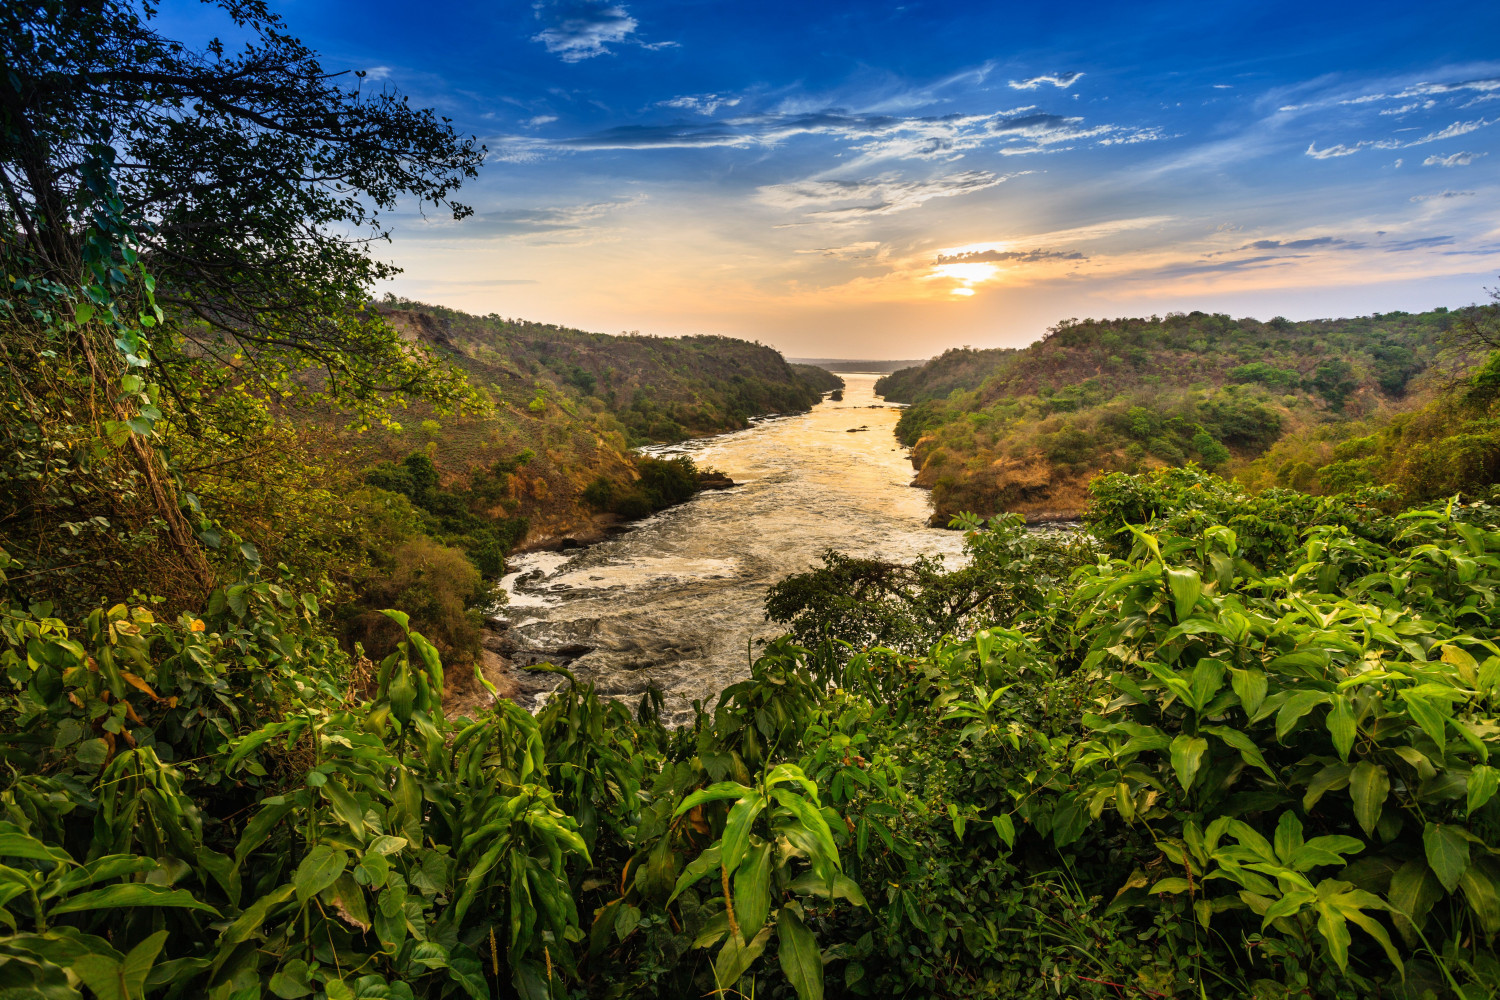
x,y
674,601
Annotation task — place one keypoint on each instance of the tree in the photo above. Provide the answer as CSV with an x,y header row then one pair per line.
x,y
1334,380
254,182
186,236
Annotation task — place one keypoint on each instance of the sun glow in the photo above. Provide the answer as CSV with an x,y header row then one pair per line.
x,y
967,275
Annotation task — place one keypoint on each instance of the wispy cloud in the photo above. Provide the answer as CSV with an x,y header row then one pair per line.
x,y
551,224
1333,152
1452,160
576,30
855,200
703,104
539,120
862,250
878,136
1060,80
1442,195
1486,84
1002,256
1454,130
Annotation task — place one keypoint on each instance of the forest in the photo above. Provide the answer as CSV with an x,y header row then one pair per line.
x,y
1230,739
1320,406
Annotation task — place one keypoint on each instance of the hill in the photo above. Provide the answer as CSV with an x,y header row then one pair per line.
x,y
1025,429
659,388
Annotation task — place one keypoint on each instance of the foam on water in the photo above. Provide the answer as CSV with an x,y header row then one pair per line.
x,y
678,601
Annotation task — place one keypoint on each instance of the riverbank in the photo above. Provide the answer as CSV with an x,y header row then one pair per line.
x,y
676,601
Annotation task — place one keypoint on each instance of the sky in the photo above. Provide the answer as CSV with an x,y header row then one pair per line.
x,y
875,180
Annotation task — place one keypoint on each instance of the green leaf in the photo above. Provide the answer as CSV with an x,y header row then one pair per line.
x,y
399,617
799,955
1369,784
16,844
1251,686
1414,890
736,956
1187,754
124,979
1340,723
1249,752
737,829
1428,715
1298,705
320,869
1482,896
345,807
752,889
1447,852
1482,783
713,793
696,869
131,894
1186,589
1005,829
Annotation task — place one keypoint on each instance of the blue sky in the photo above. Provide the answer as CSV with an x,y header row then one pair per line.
x,y
887,180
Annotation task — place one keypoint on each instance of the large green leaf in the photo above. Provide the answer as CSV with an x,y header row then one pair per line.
x,y
131,894
1186,589
1482,784
1369,784
124,979
1251,686
716,792
1482,893
752,889
696,869
1187,755
736,956
1414,890
1341,723
320,869
1447,852
737,829
1294,708
799,955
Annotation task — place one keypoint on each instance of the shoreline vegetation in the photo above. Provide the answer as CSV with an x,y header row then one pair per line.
x,y
1230,740
1314,405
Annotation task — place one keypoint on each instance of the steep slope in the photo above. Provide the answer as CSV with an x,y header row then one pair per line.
x,y
1024,430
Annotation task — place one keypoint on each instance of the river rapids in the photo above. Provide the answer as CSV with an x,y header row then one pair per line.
x,y
677,601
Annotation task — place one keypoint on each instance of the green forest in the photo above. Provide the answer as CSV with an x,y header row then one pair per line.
x,y
1322,406
1229,740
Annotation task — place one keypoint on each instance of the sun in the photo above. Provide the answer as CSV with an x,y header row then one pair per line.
x,y
966,275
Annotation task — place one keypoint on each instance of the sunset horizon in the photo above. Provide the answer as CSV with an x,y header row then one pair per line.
x,y
848,181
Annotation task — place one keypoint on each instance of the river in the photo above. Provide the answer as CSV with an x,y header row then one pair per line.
x,y
678,599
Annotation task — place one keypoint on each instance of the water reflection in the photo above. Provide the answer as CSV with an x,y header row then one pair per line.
x,y
676,601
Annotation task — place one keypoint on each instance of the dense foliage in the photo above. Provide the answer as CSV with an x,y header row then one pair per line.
x,y
657,389
1024,430
1186,770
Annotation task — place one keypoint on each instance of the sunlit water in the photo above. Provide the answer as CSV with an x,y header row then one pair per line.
x,y
676,601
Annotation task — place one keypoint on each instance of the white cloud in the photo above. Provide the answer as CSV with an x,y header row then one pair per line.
x,y
1331,152
849,251
1454,130
877,136
853,201
1442,195
703,104
582,29
1452,160
539,120
1060,80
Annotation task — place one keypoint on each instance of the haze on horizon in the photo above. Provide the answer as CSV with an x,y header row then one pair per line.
x,y
854,180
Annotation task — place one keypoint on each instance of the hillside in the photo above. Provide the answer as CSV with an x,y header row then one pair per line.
x,y
1024,430
568,408
659,388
